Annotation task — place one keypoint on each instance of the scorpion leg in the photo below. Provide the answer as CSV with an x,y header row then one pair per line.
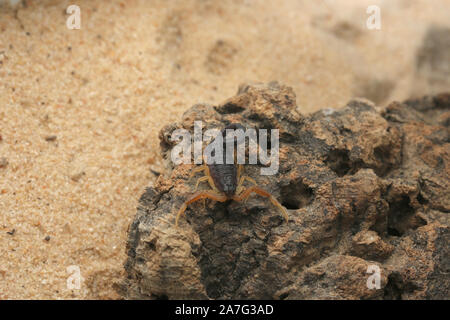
x,y
197,196
197,169
203,167
210,180
255,189
239,171
205,178
242,179
240,186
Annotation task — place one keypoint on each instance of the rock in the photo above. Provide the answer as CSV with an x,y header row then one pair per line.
x,y
335,277
419,266
369,245
365,187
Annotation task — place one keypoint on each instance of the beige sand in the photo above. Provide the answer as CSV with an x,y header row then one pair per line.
x,y
80,110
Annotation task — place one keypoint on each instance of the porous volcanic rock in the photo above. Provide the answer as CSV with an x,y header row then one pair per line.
x,y
364,186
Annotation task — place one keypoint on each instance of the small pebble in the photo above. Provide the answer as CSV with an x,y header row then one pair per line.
x,y
50,138
77,177
3,162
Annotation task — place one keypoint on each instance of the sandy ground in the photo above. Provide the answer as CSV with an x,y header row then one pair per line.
x,y
80,110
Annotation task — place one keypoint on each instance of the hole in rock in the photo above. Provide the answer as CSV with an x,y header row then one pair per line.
x,y
229,108
383,155
339,161
296,195
402,217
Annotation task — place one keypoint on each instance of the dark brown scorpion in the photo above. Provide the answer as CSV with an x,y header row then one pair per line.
x,y
227,183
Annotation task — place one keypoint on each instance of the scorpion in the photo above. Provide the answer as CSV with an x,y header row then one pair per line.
x,y
227,183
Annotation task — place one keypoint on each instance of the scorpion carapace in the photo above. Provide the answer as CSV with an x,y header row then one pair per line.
x,y
226,182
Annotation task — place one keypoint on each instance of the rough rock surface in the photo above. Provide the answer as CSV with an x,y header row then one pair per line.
x,y
363,186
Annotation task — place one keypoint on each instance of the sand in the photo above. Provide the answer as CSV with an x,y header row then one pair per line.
x,y
80,110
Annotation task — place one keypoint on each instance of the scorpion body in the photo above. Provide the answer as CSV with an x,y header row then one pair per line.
x,y
224,177
226,182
